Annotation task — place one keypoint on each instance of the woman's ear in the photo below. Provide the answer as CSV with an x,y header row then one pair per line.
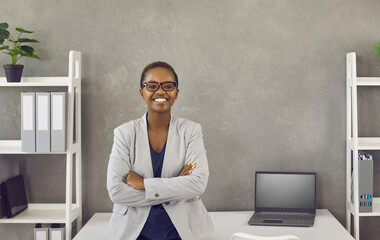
x,y
142,94
176,94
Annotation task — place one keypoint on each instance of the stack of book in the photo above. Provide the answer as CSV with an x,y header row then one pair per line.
x,y
43,121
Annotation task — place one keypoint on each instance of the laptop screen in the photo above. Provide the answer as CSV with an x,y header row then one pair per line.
x,y
281,191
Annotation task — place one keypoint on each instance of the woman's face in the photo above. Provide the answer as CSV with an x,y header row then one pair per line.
x,y
160,100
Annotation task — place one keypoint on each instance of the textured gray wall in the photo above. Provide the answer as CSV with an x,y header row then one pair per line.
x,y
266,79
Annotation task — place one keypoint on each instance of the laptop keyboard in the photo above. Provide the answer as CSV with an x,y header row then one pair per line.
x,y
292,217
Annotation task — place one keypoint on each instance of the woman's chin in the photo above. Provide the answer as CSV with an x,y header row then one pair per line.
x,y
161,109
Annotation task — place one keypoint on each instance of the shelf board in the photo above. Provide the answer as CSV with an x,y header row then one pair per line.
x,y
368,81
43,213
37,82
14,147
375,208
366,143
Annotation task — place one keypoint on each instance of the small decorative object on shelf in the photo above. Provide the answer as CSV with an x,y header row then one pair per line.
x,y
14,195
13,71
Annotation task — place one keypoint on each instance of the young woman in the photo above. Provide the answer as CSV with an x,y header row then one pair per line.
x,y
158,168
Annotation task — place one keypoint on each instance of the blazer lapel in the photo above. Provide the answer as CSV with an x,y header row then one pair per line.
x,y
172,159
143,160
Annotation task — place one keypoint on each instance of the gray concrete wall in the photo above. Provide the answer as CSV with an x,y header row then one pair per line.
x,y
266,79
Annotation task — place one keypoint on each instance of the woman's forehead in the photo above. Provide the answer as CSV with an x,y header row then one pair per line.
x,y
159,74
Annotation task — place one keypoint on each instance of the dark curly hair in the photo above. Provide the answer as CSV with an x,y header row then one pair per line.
x,y
158,64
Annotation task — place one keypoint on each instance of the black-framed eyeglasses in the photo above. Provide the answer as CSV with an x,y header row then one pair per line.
x,y
154,86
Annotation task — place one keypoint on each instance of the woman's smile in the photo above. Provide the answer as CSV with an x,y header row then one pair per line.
x,y
160,99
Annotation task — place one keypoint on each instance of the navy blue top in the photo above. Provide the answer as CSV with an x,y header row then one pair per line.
x,y
158,226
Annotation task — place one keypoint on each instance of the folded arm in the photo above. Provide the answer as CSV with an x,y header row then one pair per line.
x,y
118,167
137,182
191,182
183,187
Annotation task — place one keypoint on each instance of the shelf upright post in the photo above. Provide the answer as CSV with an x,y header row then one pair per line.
x,y
73,145
352,123
348,138
69,154
69,193
355,156
77,72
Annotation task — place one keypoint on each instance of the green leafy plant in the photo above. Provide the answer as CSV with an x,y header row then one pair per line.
x,y
16,49
377,49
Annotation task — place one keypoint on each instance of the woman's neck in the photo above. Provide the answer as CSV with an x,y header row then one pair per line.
x,y
158,121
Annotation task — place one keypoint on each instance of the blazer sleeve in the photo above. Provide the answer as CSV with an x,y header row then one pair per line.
x,y
119,166
183,187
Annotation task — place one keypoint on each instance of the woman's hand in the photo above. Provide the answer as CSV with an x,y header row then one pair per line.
x,y
134,180
187,169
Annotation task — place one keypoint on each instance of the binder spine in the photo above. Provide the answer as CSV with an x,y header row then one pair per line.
x,y
365,182
58,121
41,232
43,122
57,232
28,122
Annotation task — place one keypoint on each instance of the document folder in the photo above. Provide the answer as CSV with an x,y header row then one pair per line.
x,y
365,182
58,121
365,185
57,232
28,118
43,121
40,232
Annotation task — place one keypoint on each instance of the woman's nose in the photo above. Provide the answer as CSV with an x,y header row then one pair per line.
x,y
160,89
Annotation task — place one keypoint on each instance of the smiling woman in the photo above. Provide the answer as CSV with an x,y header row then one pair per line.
x,y
158,168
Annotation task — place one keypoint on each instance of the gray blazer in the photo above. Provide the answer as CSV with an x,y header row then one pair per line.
x,y
180,196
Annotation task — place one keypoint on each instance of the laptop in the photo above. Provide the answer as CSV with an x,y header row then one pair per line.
x,y
284,199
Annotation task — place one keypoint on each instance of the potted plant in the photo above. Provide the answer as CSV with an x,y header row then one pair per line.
x,y
16,50
377,49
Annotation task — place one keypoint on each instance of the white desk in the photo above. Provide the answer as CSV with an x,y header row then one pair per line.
x,y
226,223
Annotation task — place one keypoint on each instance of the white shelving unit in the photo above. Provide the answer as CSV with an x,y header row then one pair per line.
x,y
69,211
355,143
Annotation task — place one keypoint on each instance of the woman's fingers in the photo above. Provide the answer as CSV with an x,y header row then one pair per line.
x,y
134,180
184,170
187,169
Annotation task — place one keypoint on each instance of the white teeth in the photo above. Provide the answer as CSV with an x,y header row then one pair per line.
x,y
160,100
